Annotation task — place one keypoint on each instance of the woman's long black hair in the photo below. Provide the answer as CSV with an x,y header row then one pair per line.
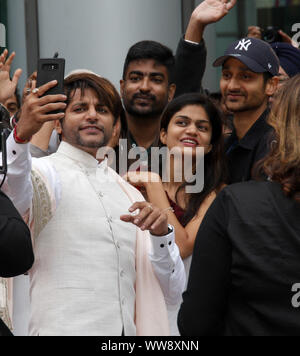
x,y
215,165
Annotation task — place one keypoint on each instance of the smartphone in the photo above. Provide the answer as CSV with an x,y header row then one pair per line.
x,y
51,69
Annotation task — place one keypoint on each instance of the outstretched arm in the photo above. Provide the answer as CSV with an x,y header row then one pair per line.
x,y
209,11
33,115
191,51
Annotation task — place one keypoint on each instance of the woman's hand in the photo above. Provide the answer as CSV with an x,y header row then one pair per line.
x,y
141,179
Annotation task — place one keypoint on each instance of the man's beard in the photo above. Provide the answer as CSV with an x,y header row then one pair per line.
x,y
236,107
76,139
93,144
153,110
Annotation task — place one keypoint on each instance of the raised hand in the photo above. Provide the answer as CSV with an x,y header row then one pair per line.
x,y
209,11
287,39
38,109
7,86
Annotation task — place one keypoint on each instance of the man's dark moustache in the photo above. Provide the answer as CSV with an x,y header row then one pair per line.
x,y
101,128
139,96
234,92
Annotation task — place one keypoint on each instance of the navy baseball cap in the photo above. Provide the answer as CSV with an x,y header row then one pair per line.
x,y
256,54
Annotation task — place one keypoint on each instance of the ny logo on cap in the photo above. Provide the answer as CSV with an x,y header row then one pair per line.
x,y
243,44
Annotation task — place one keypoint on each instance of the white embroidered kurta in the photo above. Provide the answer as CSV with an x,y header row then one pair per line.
x,y
83,279
84,270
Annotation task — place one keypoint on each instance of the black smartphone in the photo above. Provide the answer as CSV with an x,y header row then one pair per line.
x,y
51,69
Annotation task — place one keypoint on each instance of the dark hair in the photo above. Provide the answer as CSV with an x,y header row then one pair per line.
x,y
267,76
282,164
216,97
151,50
106,92
215,167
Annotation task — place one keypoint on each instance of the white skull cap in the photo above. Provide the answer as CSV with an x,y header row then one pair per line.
x,y
79,71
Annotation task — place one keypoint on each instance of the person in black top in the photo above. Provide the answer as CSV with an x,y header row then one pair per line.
x,y
245,273
16,254
249,78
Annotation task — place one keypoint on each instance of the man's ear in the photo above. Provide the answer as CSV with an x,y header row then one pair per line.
x,y
163,136
271,86
171,92
122,83
117,127
115,135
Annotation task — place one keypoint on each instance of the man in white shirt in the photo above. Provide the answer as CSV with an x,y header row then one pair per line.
x,y
92,274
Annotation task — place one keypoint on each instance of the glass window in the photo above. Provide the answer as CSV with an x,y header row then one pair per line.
x,y
3,24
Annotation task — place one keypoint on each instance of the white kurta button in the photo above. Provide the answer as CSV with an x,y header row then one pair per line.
x,y
101,195
122,273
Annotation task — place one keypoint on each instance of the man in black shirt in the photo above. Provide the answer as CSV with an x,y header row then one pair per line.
x,y
249,78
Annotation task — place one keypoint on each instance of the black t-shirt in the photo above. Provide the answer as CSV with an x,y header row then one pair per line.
x,y
244,154
16,254
245,263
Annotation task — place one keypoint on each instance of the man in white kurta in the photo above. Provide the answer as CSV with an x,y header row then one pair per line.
x,y
89,277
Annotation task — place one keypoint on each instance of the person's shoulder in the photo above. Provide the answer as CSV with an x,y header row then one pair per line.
x,y
248,191
251,185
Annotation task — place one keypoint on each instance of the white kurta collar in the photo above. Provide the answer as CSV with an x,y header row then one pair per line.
x,y
82,157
